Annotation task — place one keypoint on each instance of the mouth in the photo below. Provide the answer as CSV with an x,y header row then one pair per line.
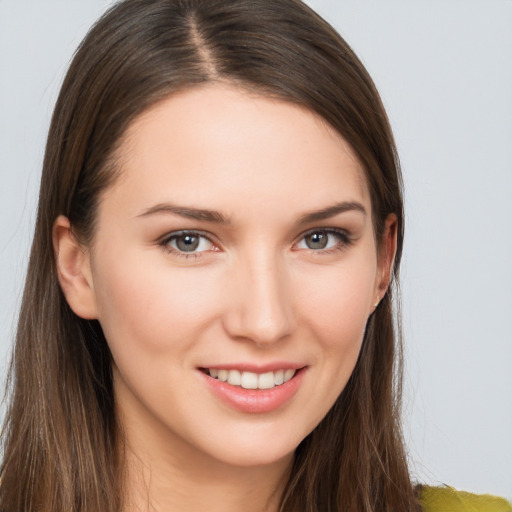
x,y
253,390
251,380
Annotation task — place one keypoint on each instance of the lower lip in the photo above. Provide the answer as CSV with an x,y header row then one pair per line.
x,y
255,400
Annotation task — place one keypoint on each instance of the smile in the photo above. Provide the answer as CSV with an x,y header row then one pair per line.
x,y
251,380
253,392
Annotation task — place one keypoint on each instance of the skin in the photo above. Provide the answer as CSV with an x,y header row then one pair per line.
x,y
254,292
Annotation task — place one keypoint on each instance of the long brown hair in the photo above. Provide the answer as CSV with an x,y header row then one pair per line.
x,y
61,435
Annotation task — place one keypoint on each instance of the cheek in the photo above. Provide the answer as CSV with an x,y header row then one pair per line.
x,y
152,306
336,312
339,302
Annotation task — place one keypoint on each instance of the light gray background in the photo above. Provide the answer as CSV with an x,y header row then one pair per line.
x,y
444,70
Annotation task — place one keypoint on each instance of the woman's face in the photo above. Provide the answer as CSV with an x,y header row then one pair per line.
x,y
236,244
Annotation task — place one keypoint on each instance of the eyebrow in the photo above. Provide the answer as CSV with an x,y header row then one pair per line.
x,y
187,212
332,211
218,218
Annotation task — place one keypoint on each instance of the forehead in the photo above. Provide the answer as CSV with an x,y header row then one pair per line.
x,y
233,149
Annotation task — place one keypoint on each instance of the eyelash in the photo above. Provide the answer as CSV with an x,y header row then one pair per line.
x,y
342,237
165,243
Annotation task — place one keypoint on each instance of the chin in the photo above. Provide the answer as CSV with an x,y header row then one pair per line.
x,y
251,457
246,449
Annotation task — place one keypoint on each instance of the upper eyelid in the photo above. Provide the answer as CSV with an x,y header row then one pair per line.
x,y
173,234
327,229
339,231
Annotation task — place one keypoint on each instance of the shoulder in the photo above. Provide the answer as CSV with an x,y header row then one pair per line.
x,y
447,499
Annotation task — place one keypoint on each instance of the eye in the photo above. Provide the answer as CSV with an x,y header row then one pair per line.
x,y
324,239
187,242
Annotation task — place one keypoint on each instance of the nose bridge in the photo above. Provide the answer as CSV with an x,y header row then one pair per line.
x,y
261,309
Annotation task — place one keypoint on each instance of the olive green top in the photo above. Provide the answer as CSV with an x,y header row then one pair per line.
x,y
447,499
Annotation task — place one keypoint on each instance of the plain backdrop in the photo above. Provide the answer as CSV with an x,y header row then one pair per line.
x,y
444,70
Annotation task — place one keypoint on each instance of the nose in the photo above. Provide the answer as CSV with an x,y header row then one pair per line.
x,y
260,305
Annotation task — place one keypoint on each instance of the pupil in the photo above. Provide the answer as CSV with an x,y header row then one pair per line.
x,y
317,241
187,243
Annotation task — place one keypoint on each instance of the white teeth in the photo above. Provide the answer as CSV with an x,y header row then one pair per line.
x,y
266,380
234,377
279,377
251,380
288,374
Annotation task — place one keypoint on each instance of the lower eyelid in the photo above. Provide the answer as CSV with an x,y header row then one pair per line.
x,y
181,254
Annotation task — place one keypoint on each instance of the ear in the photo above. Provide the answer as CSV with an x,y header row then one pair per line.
x,y
386,257
74,270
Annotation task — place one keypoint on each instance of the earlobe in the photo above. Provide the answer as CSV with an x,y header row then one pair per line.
x,y
74,270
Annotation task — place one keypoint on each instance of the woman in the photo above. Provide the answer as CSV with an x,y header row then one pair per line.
x,y
208,304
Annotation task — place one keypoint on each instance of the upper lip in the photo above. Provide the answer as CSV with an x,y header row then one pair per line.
x,y
257,368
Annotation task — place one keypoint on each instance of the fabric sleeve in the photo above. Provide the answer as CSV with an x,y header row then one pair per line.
x,y
447,499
